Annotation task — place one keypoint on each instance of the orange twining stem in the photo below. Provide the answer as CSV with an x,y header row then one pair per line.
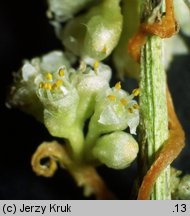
x,y
167,27
164,29
135,44
168,153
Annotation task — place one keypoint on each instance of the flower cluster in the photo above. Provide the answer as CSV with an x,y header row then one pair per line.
x,y
66,99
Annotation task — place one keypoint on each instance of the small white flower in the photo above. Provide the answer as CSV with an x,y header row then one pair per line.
x,y
117,109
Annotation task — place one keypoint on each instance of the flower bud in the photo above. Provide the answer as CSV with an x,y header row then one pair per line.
x,y
116,150
96,33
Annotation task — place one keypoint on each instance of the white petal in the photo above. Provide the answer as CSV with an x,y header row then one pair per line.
x,y
28,71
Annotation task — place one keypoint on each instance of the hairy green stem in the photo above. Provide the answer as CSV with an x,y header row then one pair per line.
x,y
154,119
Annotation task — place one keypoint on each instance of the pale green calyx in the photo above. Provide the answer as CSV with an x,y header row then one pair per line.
x,y
66,97
117,150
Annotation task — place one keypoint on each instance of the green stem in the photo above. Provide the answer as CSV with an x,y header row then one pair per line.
x,y
90,141
154,119
76,141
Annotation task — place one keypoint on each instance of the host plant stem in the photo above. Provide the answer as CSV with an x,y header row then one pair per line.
x,y
153,107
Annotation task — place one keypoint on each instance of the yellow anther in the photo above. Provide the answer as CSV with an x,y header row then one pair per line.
x,y
54,86
118,86
96,65
111,97
123,101
136,106
61,72
47,86
136,92
49,76
130,110
41,85
59,83
104,50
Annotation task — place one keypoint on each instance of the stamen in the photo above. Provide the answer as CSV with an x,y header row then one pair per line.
x,y
123,101
61,72
130,110
41,85
54,86
49,76
118,86
136,106
47,86
111,97
96,65
57,84
136,92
